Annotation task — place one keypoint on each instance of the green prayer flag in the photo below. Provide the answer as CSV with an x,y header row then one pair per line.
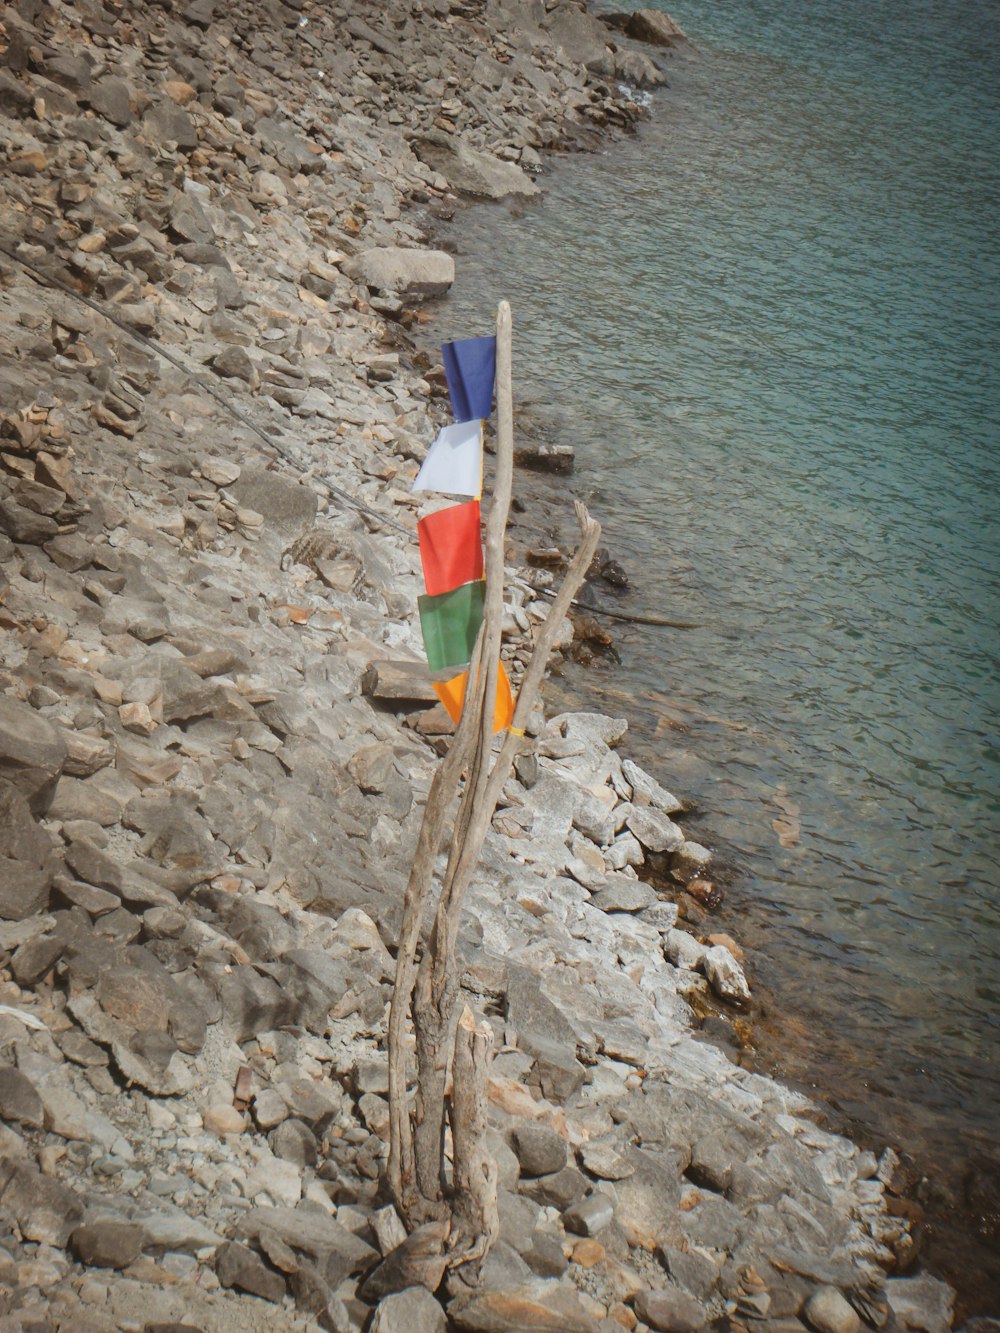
x,y
450,623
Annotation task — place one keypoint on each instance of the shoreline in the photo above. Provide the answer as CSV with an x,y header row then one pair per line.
x,y
215,816
956,1244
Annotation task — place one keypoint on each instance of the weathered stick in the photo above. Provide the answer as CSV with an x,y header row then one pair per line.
x,y
439,798
427,991
475,1221
434,1003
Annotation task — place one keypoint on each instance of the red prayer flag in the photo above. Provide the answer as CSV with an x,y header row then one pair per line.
x,y
451,547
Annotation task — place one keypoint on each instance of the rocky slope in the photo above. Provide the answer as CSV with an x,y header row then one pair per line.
x,y
213,754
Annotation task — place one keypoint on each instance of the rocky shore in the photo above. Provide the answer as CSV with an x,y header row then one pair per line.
x,y
216,736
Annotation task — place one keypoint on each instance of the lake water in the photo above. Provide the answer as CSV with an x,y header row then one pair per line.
x,y
769,325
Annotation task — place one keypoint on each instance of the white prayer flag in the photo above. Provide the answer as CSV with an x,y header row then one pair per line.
x,y
454,462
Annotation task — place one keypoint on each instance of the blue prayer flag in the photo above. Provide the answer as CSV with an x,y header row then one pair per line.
x,y
470,366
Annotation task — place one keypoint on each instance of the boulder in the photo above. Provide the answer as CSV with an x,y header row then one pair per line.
x,y
525,1306
107,1244
655,27
411,1311
111,98
671,1311
19,1099
828,1312
725,975
32,753
540,1150
411,274
237,1266
655,830
27,864
923,1304
45,1210
469,171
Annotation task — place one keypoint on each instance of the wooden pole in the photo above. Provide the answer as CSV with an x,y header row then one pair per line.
x,y
426,990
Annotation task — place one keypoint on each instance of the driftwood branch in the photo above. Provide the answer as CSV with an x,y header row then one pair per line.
x,y
475,1221
426,987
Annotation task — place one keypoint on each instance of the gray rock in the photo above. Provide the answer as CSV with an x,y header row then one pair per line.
x,y
45,1210
923,1304
828,1312
371,767
636,68
418,1262
545,1032
589,1216
713,1223
648,1201
269,1109
607,1158
683,950
174,1230
540,1150
655,831
469,171
19,1099
661,916
237,1266
32,753
313,1231
411,274
711,1164
724,974
27,865
690,861
654,26
288,507
557,1191
411,1311
111,98
624,895
671,1311
165,122
295,1142
529,1306
647,791
691,1269
107,1244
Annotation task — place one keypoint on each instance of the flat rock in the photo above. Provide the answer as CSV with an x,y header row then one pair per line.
x,y
671,1311
411,274
469,171
399,682
313,1231
536,1307
107,1244
624,895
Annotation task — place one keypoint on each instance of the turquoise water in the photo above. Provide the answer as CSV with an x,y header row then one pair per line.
x,y
769,324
